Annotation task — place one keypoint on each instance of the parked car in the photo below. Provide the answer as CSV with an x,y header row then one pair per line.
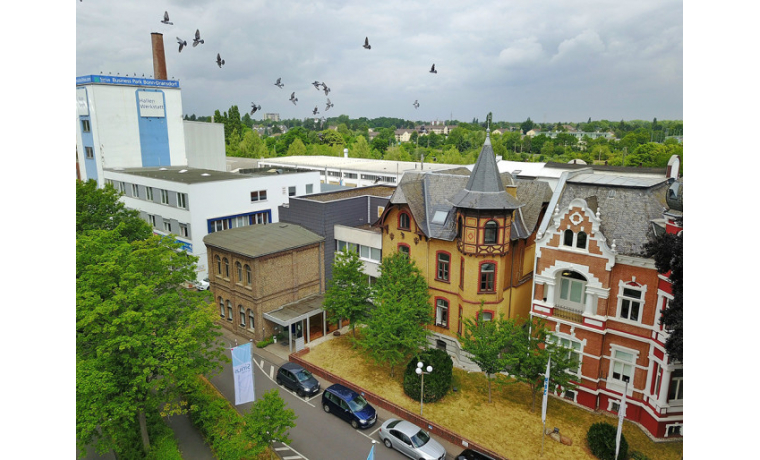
x,y
298,379
469,454
348,405
411,440
202,285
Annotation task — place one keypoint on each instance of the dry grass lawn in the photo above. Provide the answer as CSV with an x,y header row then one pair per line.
x,y
506,426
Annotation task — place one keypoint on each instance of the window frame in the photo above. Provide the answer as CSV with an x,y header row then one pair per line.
x,y
239,269
218,261
248,275
491,232
626,301
621,366
226,263
149,193
182,200
441,305
221,307
242,315
291,190
230,312
484,277
86,128
678,381
571,282
89,153
404,216
164,196
135,190
404,248
167,225
443,268
184,230
251,320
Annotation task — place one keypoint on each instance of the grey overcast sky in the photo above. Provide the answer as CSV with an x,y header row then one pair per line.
x,y
550,60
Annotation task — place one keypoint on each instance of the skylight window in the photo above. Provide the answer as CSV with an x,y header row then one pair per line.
x,y
439,217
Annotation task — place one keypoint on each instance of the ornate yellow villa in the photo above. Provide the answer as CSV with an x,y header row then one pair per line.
x,y
472,234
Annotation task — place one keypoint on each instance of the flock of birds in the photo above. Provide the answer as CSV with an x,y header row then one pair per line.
x,y
320,86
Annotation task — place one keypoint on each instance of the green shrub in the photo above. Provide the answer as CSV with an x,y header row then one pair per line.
x,y
601,441
636,455
437,383
265,342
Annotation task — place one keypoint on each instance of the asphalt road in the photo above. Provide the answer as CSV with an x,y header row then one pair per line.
x,y
317,435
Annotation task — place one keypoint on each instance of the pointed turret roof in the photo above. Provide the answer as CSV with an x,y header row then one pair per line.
x,y
485,189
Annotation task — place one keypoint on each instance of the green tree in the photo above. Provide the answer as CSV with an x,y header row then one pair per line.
x,y
101,209
141,337
348,292
526,125
297,148
486,342
667,251
528,351
396,325
360,148
268,421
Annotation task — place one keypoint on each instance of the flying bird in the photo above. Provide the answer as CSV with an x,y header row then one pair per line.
x,y
166,19
432,69
278,83
327,90
366,43
182,44
254,107
219,60
416,104
315,111
293,98
316,84
197,38
329,104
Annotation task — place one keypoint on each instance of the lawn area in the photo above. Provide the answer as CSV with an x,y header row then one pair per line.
x,y
506,425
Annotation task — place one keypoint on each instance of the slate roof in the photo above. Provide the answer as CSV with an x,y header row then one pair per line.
x,y
442,192
626,207
261,240
485,188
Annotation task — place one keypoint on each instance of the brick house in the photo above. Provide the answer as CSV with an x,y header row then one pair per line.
x,y
268,279
472,235
603,299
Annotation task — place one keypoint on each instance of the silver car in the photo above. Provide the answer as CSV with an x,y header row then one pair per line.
x,y
410,440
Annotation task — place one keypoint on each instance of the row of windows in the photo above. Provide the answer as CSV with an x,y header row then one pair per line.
x,y
490,229
245,317
244,273
183,230
574,240
572,294
442,314
150,193
244,220
365,252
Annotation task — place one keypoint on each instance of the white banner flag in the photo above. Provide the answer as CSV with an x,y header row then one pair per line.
x,y
546,391
243,373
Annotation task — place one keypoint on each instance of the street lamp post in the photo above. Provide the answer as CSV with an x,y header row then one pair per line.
x,y
422,374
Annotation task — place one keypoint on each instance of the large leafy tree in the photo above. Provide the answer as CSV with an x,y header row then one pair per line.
x,y
269,420
348,292
486,341
529,347
396,325
141,337
100,208
667,251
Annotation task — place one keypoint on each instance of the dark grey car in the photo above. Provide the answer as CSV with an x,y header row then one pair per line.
x,y
296,378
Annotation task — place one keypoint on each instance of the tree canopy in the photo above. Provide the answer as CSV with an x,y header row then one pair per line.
x,y
348,292
487,341
100,209
667,251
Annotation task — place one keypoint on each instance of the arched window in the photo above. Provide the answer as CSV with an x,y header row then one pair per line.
x,y
248,278
221,307
239,268
487,272
250,320
490,232
485,315
580,242
242,315
226,268
229,311
568,241
403,248
572,289
404,221
218,265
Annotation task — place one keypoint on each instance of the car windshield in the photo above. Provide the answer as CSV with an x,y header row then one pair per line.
x,y
420,439
303,375
358,403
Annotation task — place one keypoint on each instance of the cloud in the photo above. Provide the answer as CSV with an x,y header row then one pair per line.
x,y
585,45
523,52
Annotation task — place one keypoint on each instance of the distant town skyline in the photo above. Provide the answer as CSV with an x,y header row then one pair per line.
x,y
550,61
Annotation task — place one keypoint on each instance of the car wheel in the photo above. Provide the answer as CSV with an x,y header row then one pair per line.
x,y
327,408
387,443
279,382
300,392
354,424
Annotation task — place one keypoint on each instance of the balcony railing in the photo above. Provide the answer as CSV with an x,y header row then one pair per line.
x,y
571,314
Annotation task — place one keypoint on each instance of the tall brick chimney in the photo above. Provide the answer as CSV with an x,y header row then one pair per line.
x,y
159,58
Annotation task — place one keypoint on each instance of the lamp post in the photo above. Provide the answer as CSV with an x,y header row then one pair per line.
x,y
422,374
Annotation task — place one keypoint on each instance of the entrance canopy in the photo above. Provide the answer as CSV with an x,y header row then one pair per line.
x,y
295,313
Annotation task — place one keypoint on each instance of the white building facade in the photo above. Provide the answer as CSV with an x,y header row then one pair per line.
x,y
190,203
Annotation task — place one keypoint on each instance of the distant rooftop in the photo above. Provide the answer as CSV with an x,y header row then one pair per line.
x,y
373,190
186,175
358,164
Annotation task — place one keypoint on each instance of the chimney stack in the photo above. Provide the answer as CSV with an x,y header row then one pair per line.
x,y
159,58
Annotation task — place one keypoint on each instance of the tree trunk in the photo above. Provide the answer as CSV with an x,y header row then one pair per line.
x,y
144,431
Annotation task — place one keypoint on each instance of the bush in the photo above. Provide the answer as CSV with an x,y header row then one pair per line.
x,y
437,383
601,441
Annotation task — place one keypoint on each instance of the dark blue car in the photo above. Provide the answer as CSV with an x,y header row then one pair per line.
x,y
349,405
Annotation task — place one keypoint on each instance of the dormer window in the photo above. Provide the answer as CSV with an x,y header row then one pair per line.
x,y
490,232
568,239
580,242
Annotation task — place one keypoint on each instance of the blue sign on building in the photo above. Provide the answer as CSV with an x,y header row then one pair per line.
x,y
128,81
